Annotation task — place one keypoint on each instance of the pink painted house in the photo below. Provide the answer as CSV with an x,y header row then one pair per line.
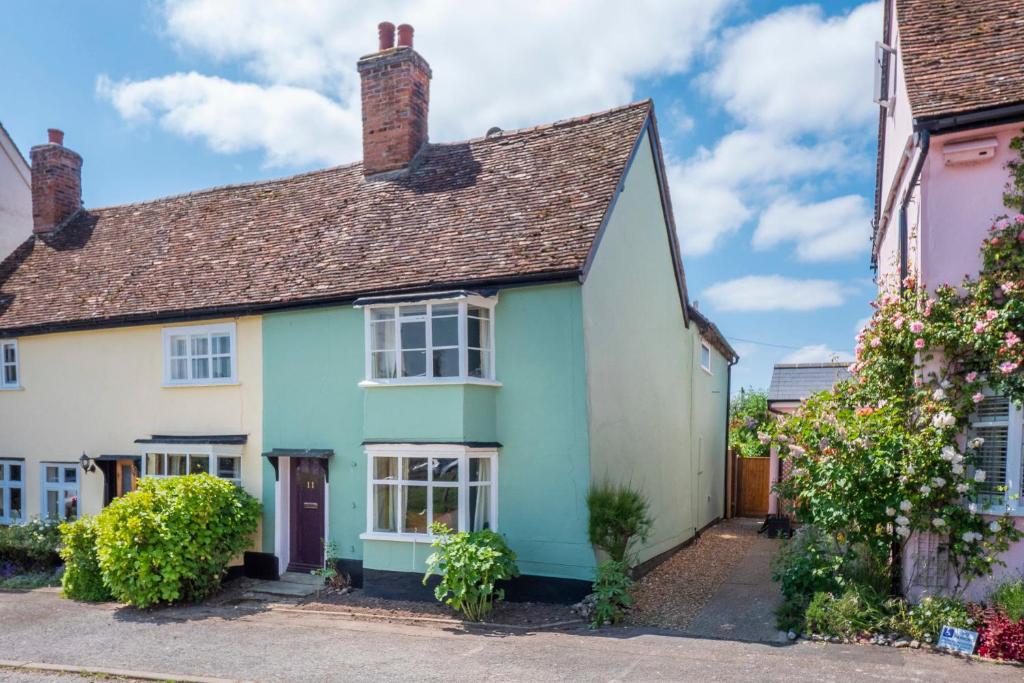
x,y
950,85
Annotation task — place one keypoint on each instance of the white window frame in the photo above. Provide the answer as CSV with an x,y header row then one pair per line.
x,y
60,486
6,485
463,302
4,345
462,453
704,346
197,331
1014,457
212,451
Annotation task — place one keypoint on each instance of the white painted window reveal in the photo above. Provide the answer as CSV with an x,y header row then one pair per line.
x,y
9,371
999,422
440,341
705,356
200,354
12,491
411,487
59,490
171,460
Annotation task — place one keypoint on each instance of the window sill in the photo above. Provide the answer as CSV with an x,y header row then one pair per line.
x,y
192,385
417,382
17,387
401,538
705,370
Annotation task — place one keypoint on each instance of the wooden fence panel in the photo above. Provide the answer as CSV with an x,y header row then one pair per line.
x,y
752,486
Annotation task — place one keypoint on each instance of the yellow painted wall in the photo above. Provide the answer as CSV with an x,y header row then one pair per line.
x,y
97,391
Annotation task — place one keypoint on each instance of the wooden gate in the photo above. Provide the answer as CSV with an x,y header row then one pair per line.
x,y
752,486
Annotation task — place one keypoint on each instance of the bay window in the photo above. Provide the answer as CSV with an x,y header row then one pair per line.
x,y
411,487
442,340
200,354
9,364
12,491
60,491
997,425
174,460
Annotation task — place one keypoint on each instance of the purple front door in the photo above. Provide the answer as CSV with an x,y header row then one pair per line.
x,y
307,514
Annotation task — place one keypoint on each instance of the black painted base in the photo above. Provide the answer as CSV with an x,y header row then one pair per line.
x,y
260,565
391,585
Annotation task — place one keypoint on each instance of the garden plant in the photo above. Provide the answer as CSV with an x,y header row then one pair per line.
x,y
470,565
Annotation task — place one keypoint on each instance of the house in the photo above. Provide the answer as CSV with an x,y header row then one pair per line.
x,y
15,195
791,385
951,96
469,333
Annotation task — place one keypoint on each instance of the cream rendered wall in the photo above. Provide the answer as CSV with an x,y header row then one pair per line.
x,y
97,391
640,363
15,196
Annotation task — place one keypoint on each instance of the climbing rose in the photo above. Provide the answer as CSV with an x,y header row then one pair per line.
x,y
979,327
978,397
962,488
919,343
876,342
916,326
1008,367
979,476
991,315
976,443
1012,339
948,452
958,468
906,506
890,511
902,521
971,376
938,521
939,395
944,419
938,482
926,489
993,526
903,531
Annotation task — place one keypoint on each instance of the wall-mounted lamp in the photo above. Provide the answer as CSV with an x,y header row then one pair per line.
x,y
87,463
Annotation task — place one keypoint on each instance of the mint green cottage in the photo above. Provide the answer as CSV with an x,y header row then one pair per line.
x,y
504,322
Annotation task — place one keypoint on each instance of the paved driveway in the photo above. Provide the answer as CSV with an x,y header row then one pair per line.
x,y
283,646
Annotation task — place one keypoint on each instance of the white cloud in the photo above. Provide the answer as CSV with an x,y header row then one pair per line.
x,y
508,64
774,293
800,71
712,192
824,231
817,353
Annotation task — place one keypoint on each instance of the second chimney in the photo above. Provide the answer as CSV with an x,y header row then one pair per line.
x,y
56,183
395,98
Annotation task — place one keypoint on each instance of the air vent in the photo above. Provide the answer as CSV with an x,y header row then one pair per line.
x,y
969,151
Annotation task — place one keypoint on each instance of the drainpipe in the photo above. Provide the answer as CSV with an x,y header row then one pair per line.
x,y
923,140
726,500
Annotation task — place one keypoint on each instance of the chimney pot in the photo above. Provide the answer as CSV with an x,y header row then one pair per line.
x,y
386,35
404,35
56,136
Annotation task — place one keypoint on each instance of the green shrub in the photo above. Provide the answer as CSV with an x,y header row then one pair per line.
x,y
789,615
172,539
31,546
806,565
1009,596
924,621
618,516
857,610
82,579
611,592
470,563
31,580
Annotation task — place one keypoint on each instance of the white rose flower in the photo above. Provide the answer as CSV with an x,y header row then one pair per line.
x,y
902,521
938,394
979,476
926,489
891,512
958,468
938,482
938,522
948,453
976,443
972,508
993,526
968,537
903,531
962,488
943,419
906,506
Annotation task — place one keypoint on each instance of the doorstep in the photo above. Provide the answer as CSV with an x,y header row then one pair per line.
x,y
291,585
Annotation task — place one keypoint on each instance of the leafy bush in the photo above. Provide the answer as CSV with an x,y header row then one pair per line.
x,y
618,516
857,610
1009,596
924,621
30,580
750,424
82,579
611,592
31,546
999,636
172,539
807,564
470,564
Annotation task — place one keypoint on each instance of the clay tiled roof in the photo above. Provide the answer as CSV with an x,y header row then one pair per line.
x,y
961,55
519,205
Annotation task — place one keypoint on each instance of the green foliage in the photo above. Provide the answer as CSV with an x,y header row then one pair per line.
x,y
924,621
1009,596
789,615
611,592
470,563
855,611
82,579
807,564
31,546
172,539
618,517
31,580
750,424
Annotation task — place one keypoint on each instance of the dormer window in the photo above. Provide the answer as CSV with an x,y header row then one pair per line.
x,y
435,341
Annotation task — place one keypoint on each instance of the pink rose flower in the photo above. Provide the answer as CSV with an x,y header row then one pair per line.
x,y
919,343
916,326
991,315
1008,287
994,241
1020,237
971,376
978,397
1002,224
1008,367
898,322
1012,340
876,342
979,327
1019,219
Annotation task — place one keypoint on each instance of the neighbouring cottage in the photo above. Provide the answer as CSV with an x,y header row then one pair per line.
x,y
467,332
15,195
951,91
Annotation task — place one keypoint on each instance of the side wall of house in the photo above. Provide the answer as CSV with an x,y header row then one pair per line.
x,y
15,197
314,361
641,360
710,406
96,392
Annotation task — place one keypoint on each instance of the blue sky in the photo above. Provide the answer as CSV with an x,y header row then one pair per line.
x,y
764,108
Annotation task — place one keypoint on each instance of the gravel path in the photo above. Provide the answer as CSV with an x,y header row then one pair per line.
x,y
674,593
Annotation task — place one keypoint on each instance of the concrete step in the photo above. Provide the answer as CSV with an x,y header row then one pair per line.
x,y
302,579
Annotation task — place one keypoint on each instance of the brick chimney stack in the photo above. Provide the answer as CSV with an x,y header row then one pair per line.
x,y
56,183
396,98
